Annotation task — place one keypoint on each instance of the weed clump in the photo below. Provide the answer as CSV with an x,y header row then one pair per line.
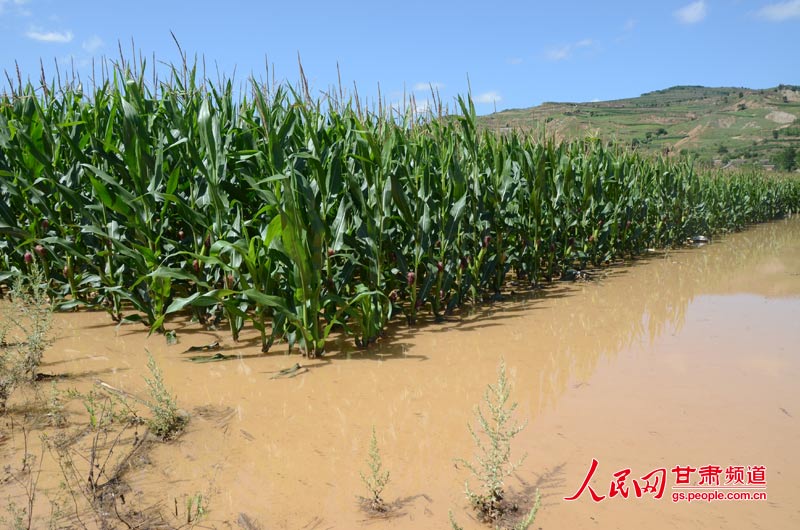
x,y
24,331
495,430
93,460
167,420
377,478
56,415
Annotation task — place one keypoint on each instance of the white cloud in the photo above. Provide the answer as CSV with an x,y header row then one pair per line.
x,y
564,52
514,60
76,60
426,87
93,44
50,36
627,29
488,97
692,13
18,3
781,11
420,106
558,54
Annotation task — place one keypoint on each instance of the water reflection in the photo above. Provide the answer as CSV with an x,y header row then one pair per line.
x,y
632,307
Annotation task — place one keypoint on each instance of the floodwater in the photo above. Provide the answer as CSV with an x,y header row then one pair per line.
x,y
685,358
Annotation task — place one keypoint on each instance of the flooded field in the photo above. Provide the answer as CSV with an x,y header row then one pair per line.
x,y
685,358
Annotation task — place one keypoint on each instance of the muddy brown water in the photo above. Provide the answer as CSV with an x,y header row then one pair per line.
x,y
684,358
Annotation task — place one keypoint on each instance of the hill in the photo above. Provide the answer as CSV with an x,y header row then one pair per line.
x,y
725,126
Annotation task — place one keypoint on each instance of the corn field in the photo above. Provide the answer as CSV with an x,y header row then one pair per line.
x,y
300,217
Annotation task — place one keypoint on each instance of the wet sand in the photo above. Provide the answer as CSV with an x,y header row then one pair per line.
x,y
687,357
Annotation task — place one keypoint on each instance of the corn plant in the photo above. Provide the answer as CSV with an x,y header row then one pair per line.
x,y
305,217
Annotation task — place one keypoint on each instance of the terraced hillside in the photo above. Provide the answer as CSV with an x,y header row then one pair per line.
x,y
729,126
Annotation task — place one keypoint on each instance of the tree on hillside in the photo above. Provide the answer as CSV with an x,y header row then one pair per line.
x,y
787,159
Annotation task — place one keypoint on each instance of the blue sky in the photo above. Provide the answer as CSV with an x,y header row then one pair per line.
x,y
515,53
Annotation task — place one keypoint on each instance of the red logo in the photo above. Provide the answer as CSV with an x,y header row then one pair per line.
x,y
708,483
652,483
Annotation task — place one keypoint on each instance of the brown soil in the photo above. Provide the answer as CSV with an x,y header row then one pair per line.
x,y
683,358
779,116
726,123
692,135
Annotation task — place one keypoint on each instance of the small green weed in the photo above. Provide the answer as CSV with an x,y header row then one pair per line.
x,y
377,478
493,464
167,420
55,407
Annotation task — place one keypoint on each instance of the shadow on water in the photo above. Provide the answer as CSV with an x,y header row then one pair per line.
x,y
550,480
601,322
669,285
611,320
607,320
88,374
396,509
